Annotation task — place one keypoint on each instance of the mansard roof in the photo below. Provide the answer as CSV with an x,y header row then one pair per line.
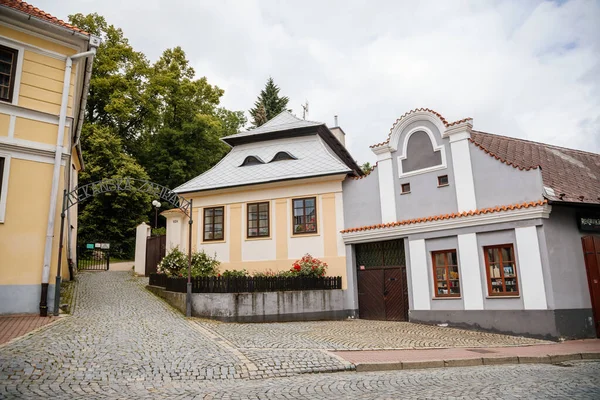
x,y
313,158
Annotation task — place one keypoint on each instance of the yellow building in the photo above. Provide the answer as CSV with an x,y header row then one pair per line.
x,y
45,66
275,197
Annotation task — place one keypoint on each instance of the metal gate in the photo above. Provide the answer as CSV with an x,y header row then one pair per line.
x,y
591,252
156,248
382,285
93,258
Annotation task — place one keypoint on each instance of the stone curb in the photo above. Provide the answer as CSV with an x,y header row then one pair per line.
x,y
470,362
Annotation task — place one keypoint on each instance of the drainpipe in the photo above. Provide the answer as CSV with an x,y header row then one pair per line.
x,y
55,181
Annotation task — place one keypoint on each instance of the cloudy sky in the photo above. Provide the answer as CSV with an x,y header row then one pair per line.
x,y
528,69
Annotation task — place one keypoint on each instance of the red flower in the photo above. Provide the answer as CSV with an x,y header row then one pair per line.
x,y
297,267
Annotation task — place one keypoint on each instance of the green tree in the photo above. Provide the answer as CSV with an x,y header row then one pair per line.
x,y
118,98
270,100
110,216
366,167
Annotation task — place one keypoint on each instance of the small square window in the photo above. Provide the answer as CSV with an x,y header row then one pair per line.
x,y
443,180
405,188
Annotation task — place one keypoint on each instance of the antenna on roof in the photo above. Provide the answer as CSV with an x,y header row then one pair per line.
x,y
305,109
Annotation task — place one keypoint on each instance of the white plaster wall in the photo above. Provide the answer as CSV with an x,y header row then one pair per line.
x,y
463,175
259,249
385,172
299,245
418,275
141,235
532,288
174,236
470,272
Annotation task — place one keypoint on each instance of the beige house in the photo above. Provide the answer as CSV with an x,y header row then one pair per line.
x,y
45,67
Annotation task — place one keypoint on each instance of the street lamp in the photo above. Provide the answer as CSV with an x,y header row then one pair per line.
x,y
156,205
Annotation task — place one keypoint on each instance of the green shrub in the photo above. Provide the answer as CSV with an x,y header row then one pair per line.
x,y
174,263
235,273
309,266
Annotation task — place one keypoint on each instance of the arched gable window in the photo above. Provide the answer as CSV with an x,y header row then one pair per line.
x,y
252,160
283,155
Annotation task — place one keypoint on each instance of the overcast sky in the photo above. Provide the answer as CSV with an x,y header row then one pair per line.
x,y
528,69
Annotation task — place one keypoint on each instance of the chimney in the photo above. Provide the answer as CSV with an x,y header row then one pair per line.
x,y
338,132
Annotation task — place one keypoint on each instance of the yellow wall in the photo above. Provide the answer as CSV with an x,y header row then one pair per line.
x,y
4,121
23,233
278,247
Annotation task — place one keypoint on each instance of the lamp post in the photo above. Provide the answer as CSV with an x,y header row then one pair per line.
x,y
156,205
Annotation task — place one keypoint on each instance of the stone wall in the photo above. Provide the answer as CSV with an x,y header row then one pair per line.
x,y
304,305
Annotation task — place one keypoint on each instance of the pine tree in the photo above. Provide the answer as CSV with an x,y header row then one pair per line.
x,y
270,101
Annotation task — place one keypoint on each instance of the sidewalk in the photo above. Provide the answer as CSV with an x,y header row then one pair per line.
x,y
18,325
382,360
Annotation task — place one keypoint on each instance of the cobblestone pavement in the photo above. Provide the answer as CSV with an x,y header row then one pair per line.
x,y
123,342
356,335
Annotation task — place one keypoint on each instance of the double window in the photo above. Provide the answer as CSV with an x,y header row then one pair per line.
x,y
501,270
258,220
305,215
8,68
214,221
445,273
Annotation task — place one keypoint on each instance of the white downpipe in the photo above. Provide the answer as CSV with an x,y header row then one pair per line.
x,y
57,160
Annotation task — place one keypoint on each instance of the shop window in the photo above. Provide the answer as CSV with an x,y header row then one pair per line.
x,y
214,221
8,70
258,220
405,188
445,273
443,180
501,270
305,215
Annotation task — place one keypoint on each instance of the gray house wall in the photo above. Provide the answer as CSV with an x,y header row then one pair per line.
x,y
361,201
498,184
425,197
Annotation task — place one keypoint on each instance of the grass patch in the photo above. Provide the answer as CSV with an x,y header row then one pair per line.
x,y
66,295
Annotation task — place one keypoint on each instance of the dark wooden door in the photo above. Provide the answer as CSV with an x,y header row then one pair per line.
x,y
156,247
395,294
591,252
371,301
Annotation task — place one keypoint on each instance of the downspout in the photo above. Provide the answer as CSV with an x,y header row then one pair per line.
x,y
55,181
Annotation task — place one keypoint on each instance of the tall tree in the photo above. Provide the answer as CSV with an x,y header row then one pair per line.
x,y
110,216
270,100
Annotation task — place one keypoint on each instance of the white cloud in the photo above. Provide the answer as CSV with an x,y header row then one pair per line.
x,y
523,69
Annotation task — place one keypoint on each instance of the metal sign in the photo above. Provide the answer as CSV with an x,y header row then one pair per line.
x,y
103,246
589,223
127,184
89,246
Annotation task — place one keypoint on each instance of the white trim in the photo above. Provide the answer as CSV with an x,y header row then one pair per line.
x,y
436,147
453,223
18,70
418,275
387,196
532,283
463,176
4,189
11,126
22,112
470,272
417,116
37,146
339,224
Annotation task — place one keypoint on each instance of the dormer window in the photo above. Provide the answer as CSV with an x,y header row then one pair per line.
x,y
283,155
252,160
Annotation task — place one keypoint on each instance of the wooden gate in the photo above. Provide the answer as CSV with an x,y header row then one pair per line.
x,y
591,253
156,247
381,276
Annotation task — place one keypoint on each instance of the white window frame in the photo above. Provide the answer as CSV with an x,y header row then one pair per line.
x,y
18,71
434,144
4,189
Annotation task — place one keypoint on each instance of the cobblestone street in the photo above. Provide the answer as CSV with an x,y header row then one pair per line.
x,y
123,342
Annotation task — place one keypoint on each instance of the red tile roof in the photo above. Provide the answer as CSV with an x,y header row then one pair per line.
x,y
573,175
448,216
36,12
437,114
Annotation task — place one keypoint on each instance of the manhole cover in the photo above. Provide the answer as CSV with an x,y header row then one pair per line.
x,y
482,351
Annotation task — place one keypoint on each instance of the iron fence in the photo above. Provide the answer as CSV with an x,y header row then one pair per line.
x,y
221,284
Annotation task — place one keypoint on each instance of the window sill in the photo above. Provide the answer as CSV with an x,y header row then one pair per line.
x,y
502,297
441,186
251,239
447,298
404,193
301,235
212,241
